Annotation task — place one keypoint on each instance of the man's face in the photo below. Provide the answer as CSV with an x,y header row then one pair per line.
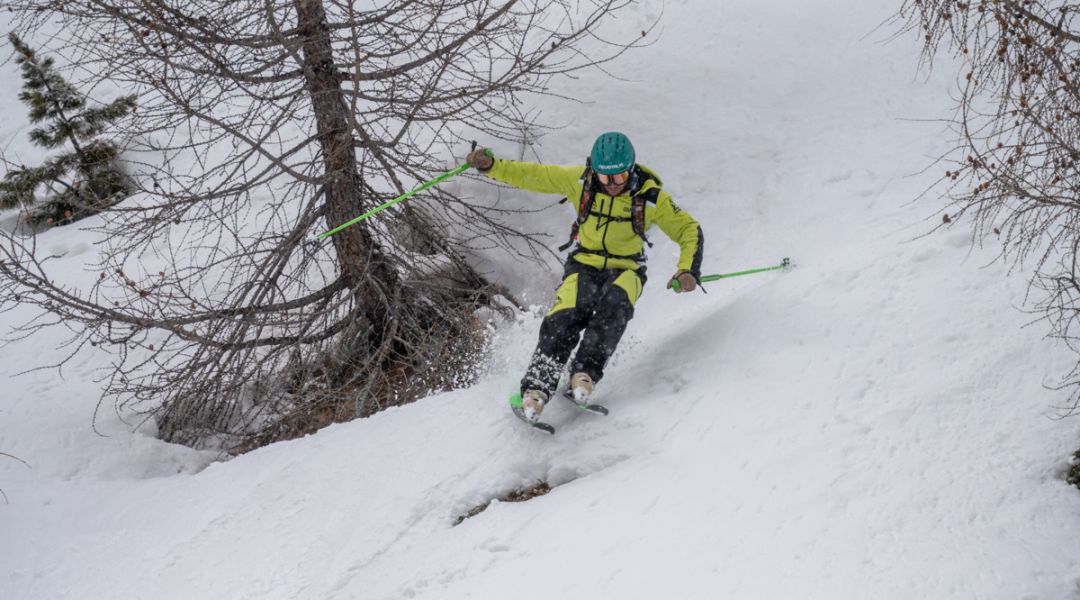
x,y
613,185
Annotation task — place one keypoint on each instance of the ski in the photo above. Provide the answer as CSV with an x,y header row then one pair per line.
x,y
519,412
599,409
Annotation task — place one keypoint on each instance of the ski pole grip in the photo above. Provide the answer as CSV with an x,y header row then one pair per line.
x,y
488,153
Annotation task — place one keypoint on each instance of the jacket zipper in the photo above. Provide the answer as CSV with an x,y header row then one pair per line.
x,y
607,225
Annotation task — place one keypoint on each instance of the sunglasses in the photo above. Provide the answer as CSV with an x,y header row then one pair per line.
x,y
617,179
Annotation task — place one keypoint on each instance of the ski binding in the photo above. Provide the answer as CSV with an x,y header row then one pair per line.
x,y
599,409
519,411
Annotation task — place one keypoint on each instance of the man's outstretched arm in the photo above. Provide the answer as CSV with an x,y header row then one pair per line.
x,y
543,179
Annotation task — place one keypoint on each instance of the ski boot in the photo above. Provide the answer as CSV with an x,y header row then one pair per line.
x,y
532,404
581,386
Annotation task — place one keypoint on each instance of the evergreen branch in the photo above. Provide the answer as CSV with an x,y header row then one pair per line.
x,y
96,119
18,185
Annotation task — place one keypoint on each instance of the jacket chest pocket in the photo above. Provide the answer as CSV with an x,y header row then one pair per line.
x,y
607,210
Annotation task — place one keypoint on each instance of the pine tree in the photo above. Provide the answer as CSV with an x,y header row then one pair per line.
x,y
85,178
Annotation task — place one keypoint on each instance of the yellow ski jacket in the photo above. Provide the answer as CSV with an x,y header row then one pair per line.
x,y
606,239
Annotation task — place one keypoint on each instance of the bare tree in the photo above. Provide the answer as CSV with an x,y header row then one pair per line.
x,y
260,123
1016,170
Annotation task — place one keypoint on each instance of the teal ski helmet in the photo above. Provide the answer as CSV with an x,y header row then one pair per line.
x,y
612,153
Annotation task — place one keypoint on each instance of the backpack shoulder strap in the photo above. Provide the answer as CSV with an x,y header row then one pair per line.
x,y
587,192
638,201
585,202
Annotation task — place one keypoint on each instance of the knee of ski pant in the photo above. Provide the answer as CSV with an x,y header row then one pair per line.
x,y
631,284
566,295
617,308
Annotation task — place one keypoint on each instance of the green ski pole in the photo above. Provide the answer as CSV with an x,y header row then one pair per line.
x,y
785,264
385,205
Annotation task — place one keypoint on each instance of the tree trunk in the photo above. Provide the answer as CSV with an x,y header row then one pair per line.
x,y
360,259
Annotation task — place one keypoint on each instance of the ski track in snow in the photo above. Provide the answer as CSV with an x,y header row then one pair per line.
x,y
870,425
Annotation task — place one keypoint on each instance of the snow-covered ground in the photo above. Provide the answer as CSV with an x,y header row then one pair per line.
x,y
870,425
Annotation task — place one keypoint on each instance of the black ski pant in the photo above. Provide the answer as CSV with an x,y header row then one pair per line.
x,y
593,306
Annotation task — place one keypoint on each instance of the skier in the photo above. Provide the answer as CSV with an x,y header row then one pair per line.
x,y
617,202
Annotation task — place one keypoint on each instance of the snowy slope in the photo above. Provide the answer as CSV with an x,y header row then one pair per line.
x,y
869,425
